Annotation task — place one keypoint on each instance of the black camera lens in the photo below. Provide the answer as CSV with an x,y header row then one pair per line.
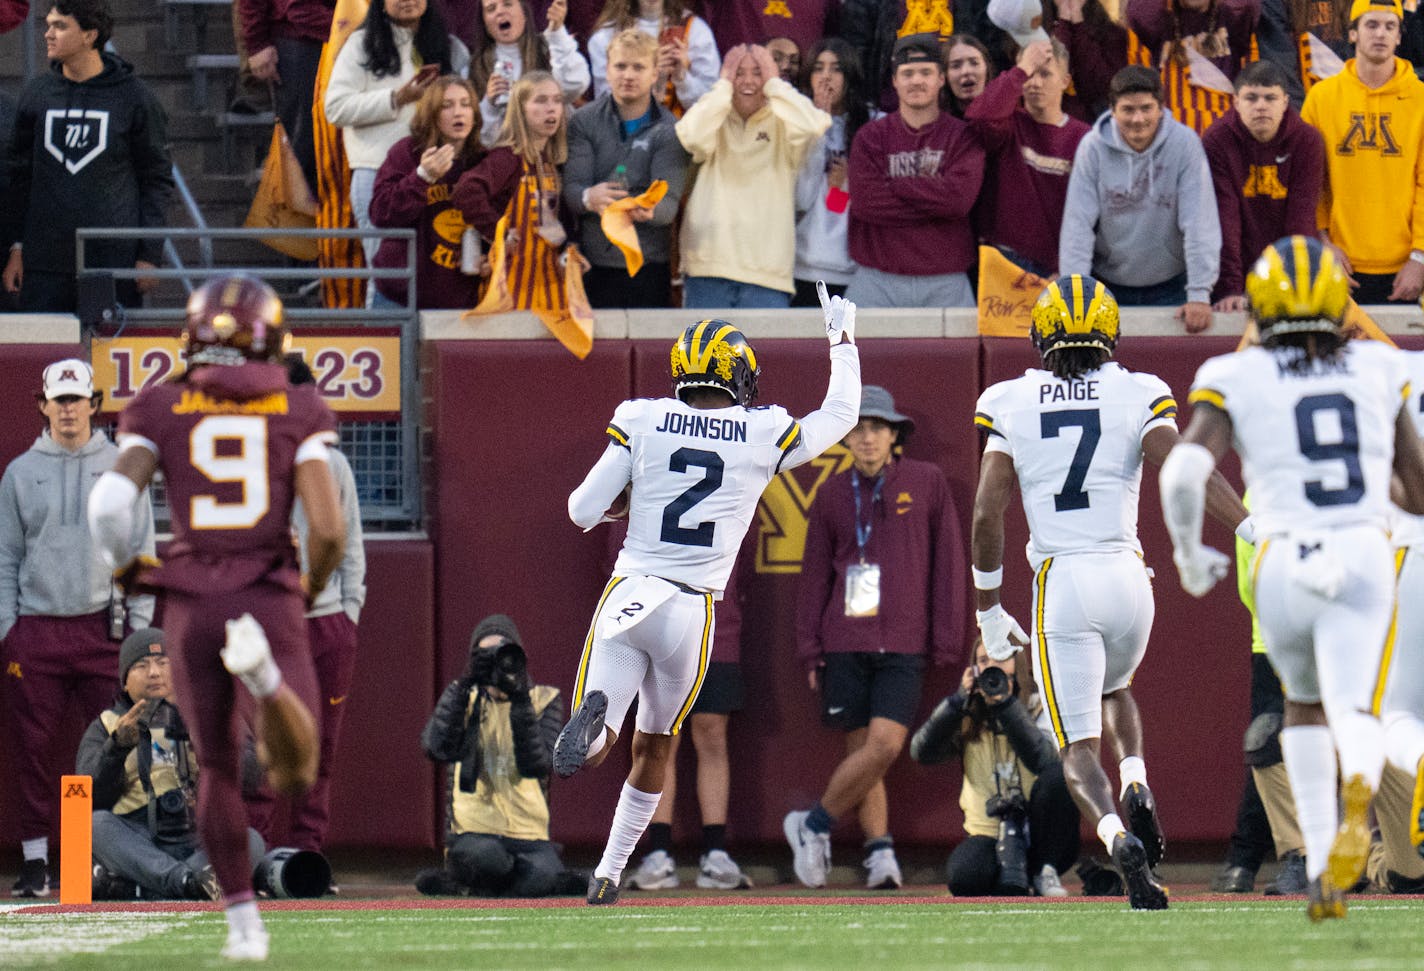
x,y
992,682
172,802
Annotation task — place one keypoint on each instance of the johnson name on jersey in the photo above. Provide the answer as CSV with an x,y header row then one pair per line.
x,y
1316,439
1076,446
697,475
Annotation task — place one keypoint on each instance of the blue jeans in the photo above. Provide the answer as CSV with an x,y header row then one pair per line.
x,y
717,292
1168,293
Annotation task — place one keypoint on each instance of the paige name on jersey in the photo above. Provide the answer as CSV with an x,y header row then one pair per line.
x,y
1068,391
721,429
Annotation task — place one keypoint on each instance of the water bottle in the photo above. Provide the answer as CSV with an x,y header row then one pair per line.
x,y
504,67
620,178
470,252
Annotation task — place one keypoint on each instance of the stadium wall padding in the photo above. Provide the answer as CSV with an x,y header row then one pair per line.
x,y
511,426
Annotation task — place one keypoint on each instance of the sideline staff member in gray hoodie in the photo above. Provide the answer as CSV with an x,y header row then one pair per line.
x,y
1141,214
56,598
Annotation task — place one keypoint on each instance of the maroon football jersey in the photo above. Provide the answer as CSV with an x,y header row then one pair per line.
x,y
227,440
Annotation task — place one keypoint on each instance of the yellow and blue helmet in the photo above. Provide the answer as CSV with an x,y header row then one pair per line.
x,y
1075,311
714,354
1297,286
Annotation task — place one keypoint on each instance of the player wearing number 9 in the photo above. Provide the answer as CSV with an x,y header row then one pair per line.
x,y
1074,435
697,463
236,444
1321,423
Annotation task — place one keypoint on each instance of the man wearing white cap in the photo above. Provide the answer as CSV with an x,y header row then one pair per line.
x,y
60,616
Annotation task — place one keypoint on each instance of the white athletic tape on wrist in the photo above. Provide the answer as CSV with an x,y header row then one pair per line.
x,y
987,580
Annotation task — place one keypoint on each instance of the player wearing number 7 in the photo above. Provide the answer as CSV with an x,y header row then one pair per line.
x,y
696,464
237,444
1074,435
1320,423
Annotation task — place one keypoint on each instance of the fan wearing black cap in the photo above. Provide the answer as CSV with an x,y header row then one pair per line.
x,y
145,785
914,175
882,591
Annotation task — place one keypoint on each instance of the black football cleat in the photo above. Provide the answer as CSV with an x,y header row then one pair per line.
x,y
571,750
1143,890
1141,810
602,892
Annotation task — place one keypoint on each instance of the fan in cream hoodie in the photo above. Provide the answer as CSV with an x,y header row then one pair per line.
x,y
374,112
750,134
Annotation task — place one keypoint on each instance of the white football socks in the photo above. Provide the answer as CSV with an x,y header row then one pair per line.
x,y
243,918
36,849
1359,740
598,744
635,810
1309,756
1129,770
1108,829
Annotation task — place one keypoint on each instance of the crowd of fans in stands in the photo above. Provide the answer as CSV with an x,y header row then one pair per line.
x,y
743,149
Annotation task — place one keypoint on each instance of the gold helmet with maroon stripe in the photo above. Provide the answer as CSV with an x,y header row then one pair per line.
x,y
1075,311
233,319
714,354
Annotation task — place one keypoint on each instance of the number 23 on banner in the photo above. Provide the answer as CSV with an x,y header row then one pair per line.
x,y
355,370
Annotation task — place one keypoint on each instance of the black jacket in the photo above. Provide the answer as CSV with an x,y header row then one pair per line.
x,y
448,737
92,153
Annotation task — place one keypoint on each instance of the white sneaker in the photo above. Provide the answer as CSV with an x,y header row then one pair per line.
x,y
1047,884
657,871
249,945
812,851
718,871
882,870
249,656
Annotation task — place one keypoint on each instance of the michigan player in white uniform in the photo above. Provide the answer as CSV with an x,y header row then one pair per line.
x,y
1402,701
1074,436
697,464
1320,425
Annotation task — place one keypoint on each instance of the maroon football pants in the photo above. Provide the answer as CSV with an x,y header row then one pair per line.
x,y
208,697
47,661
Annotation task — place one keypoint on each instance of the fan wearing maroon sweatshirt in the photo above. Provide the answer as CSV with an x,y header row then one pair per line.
x,y
1268,167
1030,142
914,176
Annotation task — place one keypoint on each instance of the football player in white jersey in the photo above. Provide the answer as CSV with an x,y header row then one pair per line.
x,y
1073,435
697,464
1320,424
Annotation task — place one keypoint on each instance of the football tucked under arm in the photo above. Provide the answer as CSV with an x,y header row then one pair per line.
x,y
598,495
620,505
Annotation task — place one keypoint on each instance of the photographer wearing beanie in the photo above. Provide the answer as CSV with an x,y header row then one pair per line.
x,y
145,786
496,730
1020,819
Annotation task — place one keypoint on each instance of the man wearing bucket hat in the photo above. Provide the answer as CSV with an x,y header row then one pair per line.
x,y
882,589
60,617
145,783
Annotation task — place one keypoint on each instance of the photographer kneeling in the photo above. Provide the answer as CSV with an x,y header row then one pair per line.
x,y
496,729
1020,817
145,783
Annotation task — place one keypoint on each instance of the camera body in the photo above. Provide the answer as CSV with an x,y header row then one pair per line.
x,y
510,662
993,683
1011,848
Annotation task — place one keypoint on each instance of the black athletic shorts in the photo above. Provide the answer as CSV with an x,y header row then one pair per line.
x,y
723,690
856,687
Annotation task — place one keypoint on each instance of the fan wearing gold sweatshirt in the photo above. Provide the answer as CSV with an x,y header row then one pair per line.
x,y
1372,117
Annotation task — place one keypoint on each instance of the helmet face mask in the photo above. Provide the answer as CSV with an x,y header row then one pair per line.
x,y
1075,311
714,354
233,319
1297,287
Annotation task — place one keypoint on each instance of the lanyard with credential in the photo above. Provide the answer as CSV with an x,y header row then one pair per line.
x,y
862,532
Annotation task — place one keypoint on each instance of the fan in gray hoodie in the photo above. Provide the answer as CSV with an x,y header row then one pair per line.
x,y
1137,219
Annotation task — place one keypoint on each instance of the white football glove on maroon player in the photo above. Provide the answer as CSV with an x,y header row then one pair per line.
x,y
839,313
1003,637
1200,568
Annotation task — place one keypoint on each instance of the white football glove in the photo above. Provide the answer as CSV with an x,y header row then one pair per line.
x,y
839,313
1003,637
1200,569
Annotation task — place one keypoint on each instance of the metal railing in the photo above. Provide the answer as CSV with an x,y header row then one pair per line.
x,y
384,455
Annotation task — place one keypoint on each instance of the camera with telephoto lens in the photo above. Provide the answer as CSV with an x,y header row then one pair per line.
x,y
507,670
1011,848
992,683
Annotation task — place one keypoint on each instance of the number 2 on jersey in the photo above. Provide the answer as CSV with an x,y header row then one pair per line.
x,y
245,463
682,460
1050,424
1346,450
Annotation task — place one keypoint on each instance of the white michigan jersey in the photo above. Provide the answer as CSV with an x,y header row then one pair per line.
x,y
1408,530
1077,450
1316,440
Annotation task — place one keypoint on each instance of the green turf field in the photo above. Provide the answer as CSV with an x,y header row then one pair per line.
x,y
1379,933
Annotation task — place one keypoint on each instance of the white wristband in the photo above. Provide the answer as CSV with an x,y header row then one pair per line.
x,y
990,580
